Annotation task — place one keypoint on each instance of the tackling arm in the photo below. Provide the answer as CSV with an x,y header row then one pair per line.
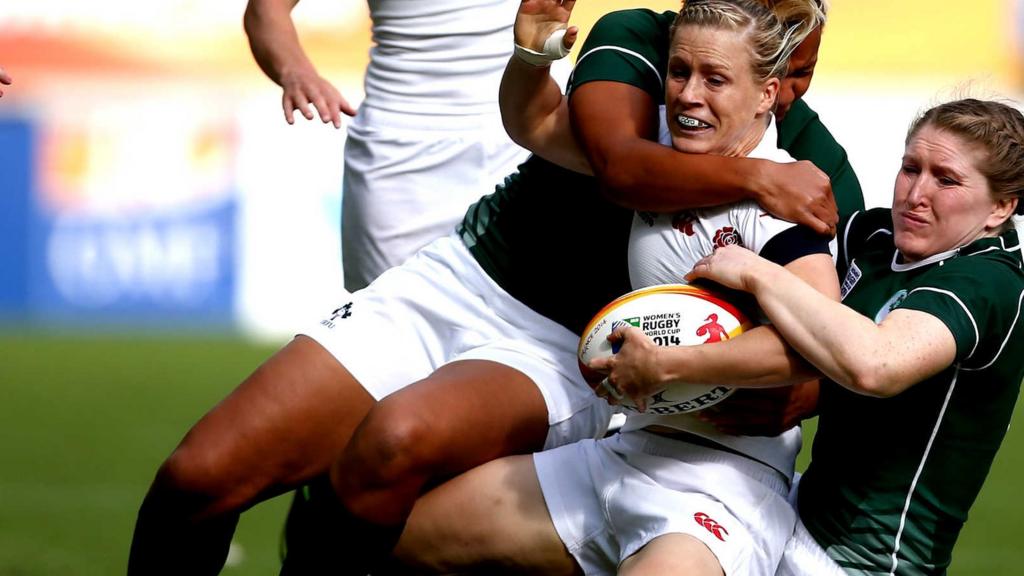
x,y
620,143
876,360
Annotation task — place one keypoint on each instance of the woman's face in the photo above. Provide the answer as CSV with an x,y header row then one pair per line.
x,y
941,200
800,72
712,101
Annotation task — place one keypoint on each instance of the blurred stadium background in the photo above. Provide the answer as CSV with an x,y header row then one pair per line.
x,y
162,230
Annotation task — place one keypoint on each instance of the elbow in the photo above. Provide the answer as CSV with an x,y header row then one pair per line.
x,y
253,18
870,380
518,134
249,20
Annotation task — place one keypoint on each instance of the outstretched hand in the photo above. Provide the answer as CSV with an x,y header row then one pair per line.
x,y
537,20
5,79
633,371
305,89
801,193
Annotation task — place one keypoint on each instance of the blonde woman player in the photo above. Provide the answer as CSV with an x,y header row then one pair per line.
x,y
668,494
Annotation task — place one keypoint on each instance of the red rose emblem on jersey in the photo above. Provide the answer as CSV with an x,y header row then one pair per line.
x,y
727,236
684,222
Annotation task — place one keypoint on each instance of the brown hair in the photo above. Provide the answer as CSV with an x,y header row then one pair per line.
x,y
997,129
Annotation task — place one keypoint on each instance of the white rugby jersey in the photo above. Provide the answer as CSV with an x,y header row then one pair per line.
x,y
664,247
438,57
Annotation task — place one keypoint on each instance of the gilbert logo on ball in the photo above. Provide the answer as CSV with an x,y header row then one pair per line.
x,y
671,315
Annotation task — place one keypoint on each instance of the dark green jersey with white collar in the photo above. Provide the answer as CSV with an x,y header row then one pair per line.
x,y
891,480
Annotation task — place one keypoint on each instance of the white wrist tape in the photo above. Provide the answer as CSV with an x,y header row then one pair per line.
x,y
553,50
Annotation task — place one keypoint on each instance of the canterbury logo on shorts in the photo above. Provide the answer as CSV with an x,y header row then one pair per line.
x,y
711,525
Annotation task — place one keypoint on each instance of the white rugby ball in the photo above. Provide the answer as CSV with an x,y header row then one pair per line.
x,y
671,315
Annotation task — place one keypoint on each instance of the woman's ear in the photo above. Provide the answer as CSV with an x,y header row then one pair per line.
x,y
769,94
1003,209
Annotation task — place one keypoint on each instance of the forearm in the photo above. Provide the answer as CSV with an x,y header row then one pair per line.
x,y
645,175
846,346
759,358
636,171
273,38
536,115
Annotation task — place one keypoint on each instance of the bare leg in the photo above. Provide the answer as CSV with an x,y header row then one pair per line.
x,y
464,414
492,518
283,425
672,555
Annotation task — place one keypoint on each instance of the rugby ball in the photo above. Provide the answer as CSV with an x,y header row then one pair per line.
x,y
671,315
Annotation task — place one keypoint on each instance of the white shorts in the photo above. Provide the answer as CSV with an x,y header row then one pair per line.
x,y
408,180
609,498
803,555
440,307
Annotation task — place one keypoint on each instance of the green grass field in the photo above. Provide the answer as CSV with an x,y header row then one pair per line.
x,y
86,422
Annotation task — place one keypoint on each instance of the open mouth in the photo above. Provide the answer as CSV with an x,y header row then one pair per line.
x,y
690,123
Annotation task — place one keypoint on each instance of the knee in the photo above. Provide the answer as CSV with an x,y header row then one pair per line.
x,y
391,446
197,483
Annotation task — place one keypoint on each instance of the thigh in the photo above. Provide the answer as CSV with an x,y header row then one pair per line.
x,y
462,415
492,517
284,424
672,555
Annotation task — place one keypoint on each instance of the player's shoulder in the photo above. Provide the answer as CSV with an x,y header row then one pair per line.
x,y
636,19
988,263
867,228
634,28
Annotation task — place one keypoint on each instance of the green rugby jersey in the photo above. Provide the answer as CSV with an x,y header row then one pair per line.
x,y
891,480
549,238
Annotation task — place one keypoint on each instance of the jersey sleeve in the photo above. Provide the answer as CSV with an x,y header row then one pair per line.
x,y
861,232
802,134
628,46
775,239
977,298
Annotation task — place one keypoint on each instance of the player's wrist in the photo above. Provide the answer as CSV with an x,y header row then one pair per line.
x,y
552,50
757,180
762,275
669,364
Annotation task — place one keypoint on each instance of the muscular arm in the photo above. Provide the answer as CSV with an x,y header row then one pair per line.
x,y
275,45
635,171
876,360
536,115
617,143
